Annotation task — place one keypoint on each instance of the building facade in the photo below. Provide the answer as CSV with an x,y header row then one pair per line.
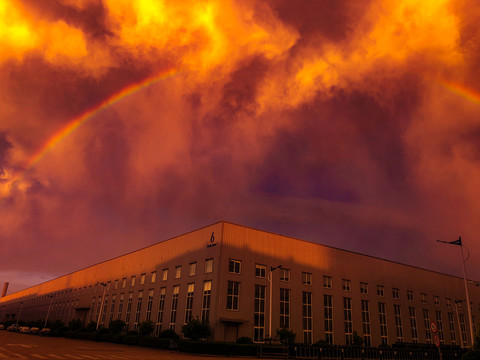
x,y
235,277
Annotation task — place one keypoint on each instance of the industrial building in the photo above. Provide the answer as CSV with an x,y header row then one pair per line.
x,y
221,273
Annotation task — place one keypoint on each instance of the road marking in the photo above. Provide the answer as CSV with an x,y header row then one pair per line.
x,y
55,356
20,356
39,356
3,356
22,345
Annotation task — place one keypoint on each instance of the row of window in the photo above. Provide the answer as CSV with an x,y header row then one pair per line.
x,y
192,270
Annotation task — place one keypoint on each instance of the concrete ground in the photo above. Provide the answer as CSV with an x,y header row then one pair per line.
x,y
33,347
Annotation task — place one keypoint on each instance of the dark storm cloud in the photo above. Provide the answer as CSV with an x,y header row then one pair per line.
x,y
321,120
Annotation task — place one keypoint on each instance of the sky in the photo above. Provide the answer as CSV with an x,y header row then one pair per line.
x,y
354,124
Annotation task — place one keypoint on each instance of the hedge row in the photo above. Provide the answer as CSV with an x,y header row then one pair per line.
x,y
197,347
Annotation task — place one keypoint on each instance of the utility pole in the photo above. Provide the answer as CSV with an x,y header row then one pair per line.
x,y
270,280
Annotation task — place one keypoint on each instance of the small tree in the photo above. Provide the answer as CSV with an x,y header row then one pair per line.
x,y
286,336
357,340
145,328
75,324
116,326
196,329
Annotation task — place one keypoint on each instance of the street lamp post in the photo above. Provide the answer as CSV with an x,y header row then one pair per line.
x,y
101,305
459,243
270,281
48,310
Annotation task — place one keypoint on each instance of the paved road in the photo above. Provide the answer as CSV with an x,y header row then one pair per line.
x,y
16,346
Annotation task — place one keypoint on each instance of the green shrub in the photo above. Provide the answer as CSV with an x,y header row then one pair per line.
x,y
75,324
145,328
91,326
116,326
103,331
168,334
56,325
196,329
244,340
357,340
131,339
286,336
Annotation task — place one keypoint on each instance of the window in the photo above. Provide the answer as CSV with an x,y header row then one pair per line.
x,y
129,309
284,274
423,298
120,307
366,323
178,272
92,309
284,308
124,283
208,266
149,305
307,317
173,312
463,329
413,324
438,317
448,302
164,274
161,307
347,316
260,270
115,284
328,311
192,269
139,309
142,279
259,313
436,301
451,325
395,293
383,322
380,290
132,283
410,295
426,323
189,304
363,288
112,308
234,266
347,286
398,322
232,295
306,278
153,277
207,293
327,282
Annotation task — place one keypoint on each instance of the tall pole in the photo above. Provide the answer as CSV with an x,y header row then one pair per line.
x,y
467,296
270,281
101,305
48,311
469,310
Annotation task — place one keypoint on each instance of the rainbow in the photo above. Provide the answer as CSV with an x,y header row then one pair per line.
x,y
78,121
461,90
75,123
